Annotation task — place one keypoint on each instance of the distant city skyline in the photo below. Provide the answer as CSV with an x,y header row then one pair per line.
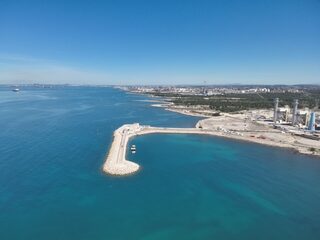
x,y
164,42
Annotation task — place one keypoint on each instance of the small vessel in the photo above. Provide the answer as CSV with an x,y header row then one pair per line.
x,y
16,90
133,148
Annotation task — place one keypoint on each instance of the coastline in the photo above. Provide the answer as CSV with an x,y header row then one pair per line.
x,y
161,102
294,145
238,126
169,107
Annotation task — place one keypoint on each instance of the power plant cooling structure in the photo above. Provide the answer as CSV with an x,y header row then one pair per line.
x,y
312,122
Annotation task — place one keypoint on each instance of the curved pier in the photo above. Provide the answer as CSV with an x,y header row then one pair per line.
x,y
116,164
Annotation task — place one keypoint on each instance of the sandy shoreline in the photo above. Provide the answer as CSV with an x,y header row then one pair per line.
x,y
170,107
234,125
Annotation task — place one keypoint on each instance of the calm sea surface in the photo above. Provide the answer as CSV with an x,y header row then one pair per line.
x,y
53,143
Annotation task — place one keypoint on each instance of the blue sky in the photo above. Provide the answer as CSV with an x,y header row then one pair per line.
x,y
160,42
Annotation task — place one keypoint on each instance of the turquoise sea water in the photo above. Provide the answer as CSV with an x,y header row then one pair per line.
x,y
52,146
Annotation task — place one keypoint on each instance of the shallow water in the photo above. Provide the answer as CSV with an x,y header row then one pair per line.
x,y
53,143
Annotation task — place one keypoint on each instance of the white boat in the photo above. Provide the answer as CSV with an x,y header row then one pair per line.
x,y
133,148
16,90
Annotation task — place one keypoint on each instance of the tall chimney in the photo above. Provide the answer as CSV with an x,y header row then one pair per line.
x,y
275,113
294,112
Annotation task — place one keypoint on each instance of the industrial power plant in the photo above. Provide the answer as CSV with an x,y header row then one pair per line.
x,y
303,119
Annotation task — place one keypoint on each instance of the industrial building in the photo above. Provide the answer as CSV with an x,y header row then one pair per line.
x,y
280,115
303,118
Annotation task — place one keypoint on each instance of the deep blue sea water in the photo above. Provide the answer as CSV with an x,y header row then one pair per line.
x,y
52,146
